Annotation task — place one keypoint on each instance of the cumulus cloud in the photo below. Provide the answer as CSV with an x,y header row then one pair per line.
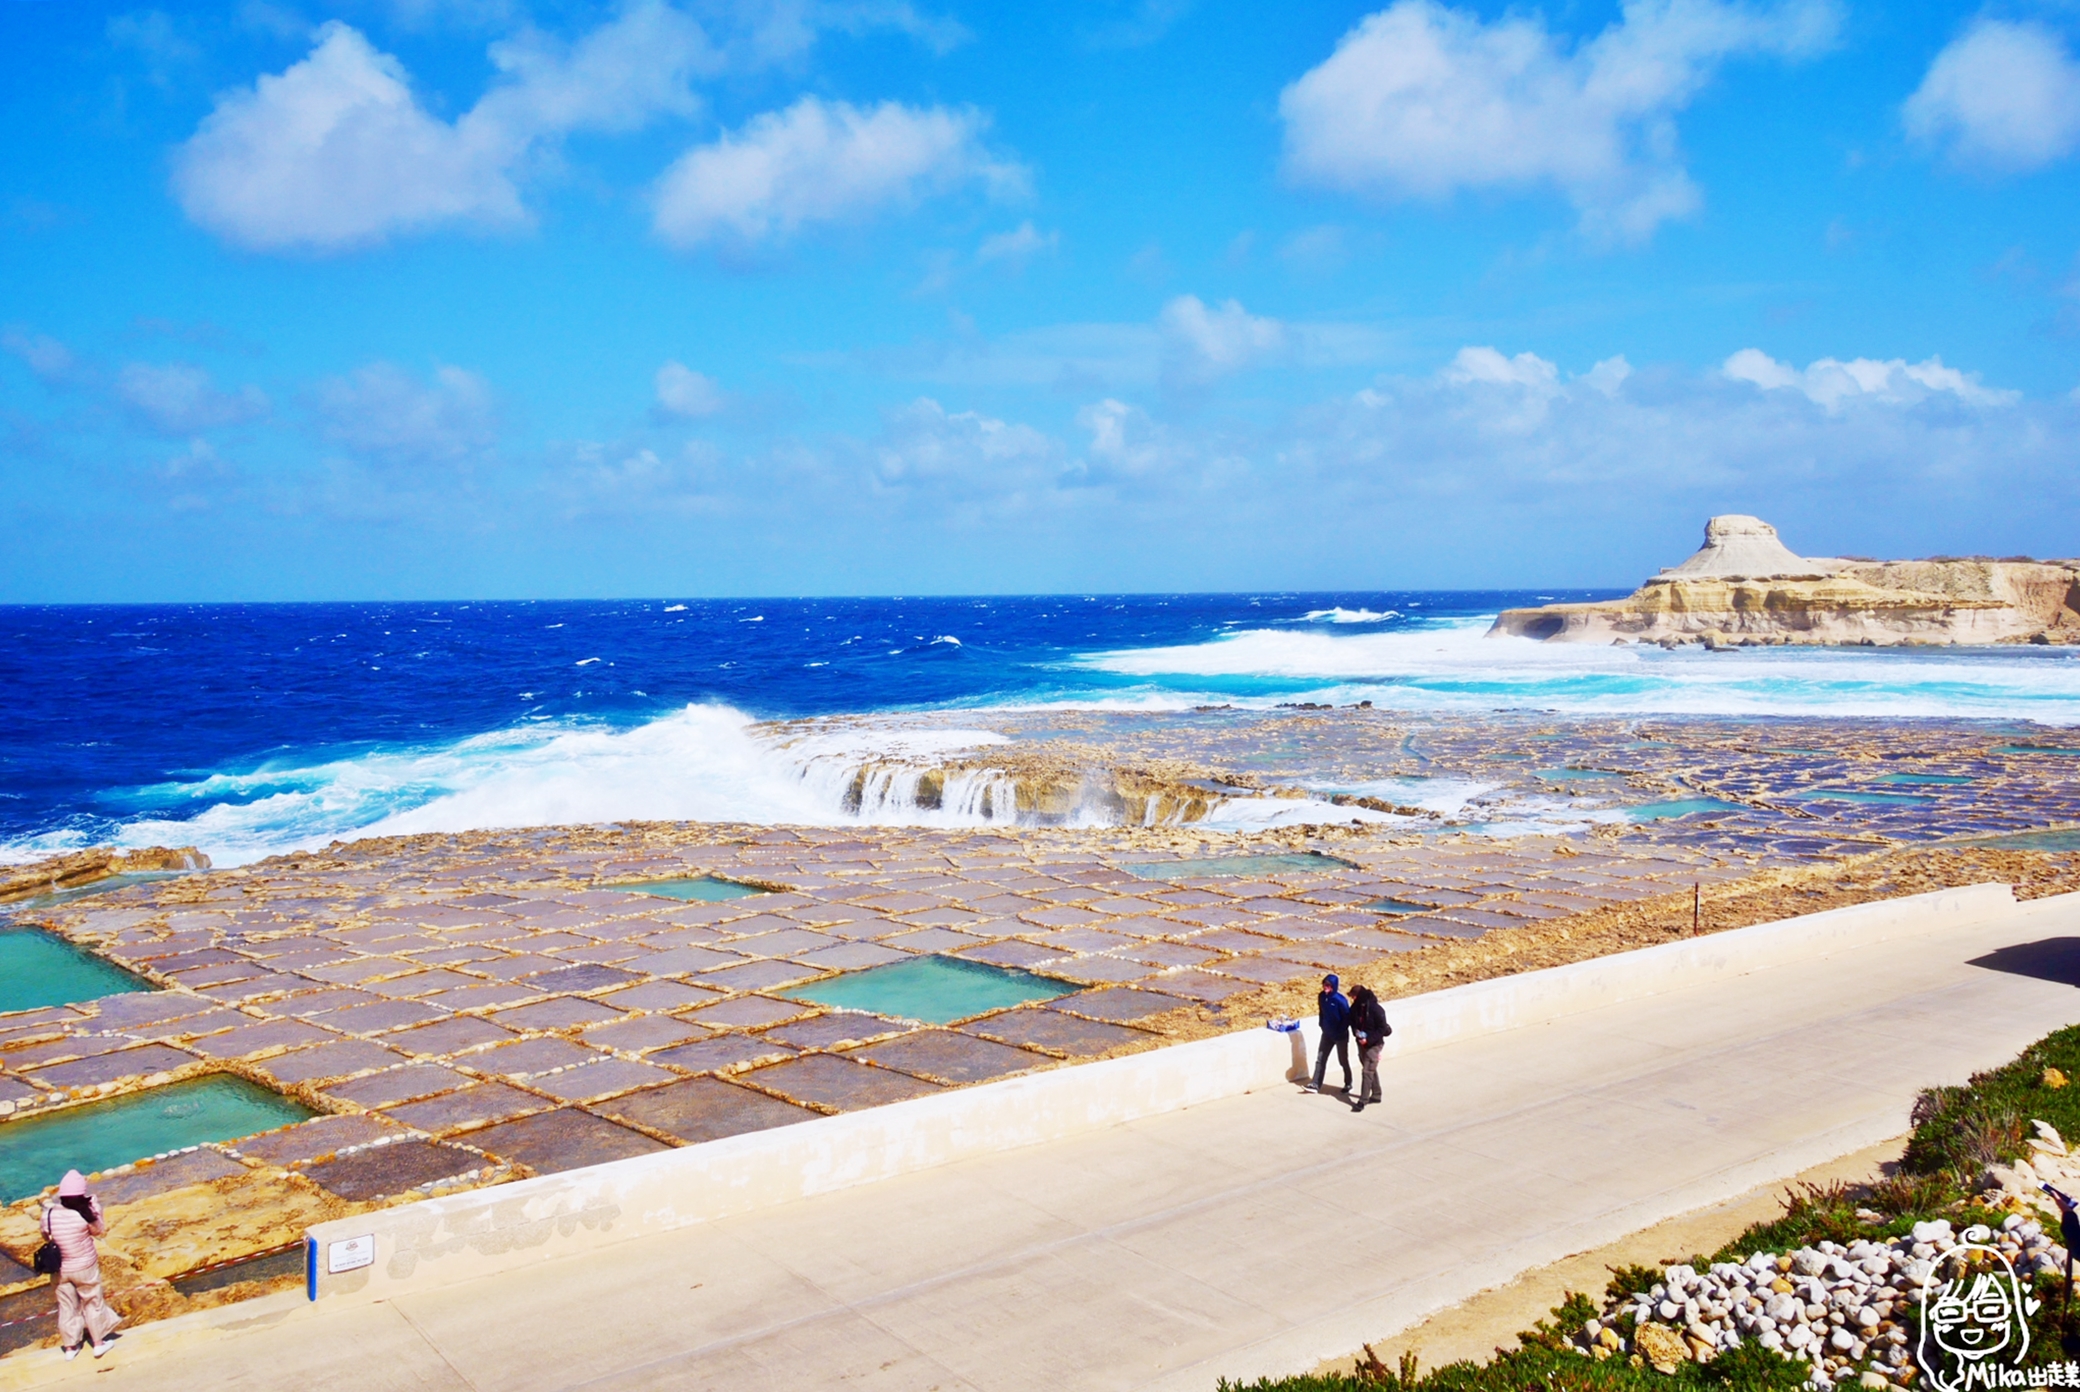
x,y
180,399
1488,365
337,151
1203,343
1833,383
1421,100
823,162
384,415
963,453
2003,93
683,392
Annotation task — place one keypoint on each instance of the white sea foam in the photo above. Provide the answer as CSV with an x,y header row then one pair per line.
x,y
1455,667
1349,616
704,763
712,763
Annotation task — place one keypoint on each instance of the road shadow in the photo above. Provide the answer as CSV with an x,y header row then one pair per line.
x,y
2049,959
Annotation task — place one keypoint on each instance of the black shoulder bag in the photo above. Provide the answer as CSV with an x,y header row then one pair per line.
x,y
48,1258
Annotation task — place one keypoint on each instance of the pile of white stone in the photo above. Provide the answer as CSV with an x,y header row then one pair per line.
x,y
1843,1309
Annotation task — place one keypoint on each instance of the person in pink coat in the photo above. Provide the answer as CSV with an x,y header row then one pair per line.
x,y
73,1222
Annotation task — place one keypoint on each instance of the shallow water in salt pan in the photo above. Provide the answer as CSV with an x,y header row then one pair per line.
x,y
36,1152
38,968
705,889
932,990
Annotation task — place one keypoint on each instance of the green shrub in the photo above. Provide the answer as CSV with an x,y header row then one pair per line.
x,y
1958,1131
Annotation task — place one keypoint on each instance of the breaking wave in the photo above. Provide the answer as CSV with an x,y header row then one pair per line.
x,y
703,763
713,762
1349,616
1455,667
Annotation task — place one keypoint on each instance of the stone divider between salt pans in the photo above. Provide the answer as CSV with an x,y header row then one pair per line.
x,y
462,1236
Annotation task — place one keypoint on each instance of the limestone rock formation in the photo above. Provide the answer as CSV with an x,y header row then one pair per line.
x,y
84,867
1745,588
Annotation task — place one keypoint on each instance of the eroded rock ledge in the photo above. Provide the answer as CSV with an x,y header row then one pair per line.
x,y
1745,588
84,867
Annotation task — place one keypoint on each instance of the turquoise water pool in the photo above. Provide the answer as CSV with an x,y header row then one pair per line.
x,y
39,968
1395,906
1234,865
1942,780
931,990
1575,775
704,889
1680,807
35,1153
2035,749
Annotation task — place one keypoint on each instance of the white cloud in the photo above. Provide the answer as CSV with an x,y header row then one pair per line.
x,y
180,399
1203,344
2004,93
963,453
1609,375
683,392
799,20
1420,100
334,152
383,415
823,162
50,360
1488,365
337,151
617,78
1831,382
1126,443
1017,246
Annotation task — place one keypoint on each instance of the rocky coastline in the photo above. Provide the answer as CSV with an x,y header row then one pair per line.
x,y
1744,588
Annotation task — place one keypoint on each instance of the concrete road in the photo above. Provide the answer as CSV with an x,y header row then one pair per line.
x,y
1255,1235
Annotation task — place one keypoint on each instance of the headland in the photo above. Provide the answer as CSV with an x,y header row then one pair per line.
x,y
1745,588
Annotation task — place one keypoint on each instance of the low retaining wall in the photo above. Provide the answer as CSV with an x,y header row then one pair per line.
x,y
444,1240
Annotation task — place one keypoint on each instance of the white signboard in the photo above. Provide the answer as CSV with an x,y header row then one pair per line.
x,y
350,1255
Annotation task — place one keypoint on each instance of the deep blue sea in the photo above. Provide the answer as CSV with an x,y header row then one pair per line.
x,y
249,729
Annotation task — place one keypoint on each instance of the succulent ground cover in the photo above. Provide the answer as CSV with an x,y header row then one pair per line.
x,y
1959,1169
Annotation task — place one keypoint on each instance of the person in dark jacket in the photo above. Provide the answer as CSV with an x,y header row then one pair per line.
x,y
1369,1025
1334,1014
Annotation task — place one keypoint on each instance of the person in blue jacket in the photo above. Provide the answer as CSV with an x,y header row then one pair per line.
x,y
1334,1014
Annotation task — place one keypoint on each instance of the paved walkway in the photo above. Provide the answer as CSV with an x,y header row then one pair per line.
x,y
1258,1234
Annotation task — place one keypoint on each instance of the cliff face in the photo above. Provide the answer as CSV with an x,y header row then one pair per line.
x,y
1706,600
2045,594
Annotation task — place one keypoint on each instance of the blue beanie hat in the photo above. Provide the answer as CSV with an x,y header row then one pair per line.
x,y
1330,981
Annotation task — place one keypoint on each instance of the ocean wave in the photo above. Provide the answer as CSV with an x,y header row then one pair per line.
x,y
1349,616
1454,667
703,763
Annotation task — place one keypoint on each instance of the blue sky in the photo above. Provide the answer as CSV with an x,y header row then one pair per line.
x,y
395,298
